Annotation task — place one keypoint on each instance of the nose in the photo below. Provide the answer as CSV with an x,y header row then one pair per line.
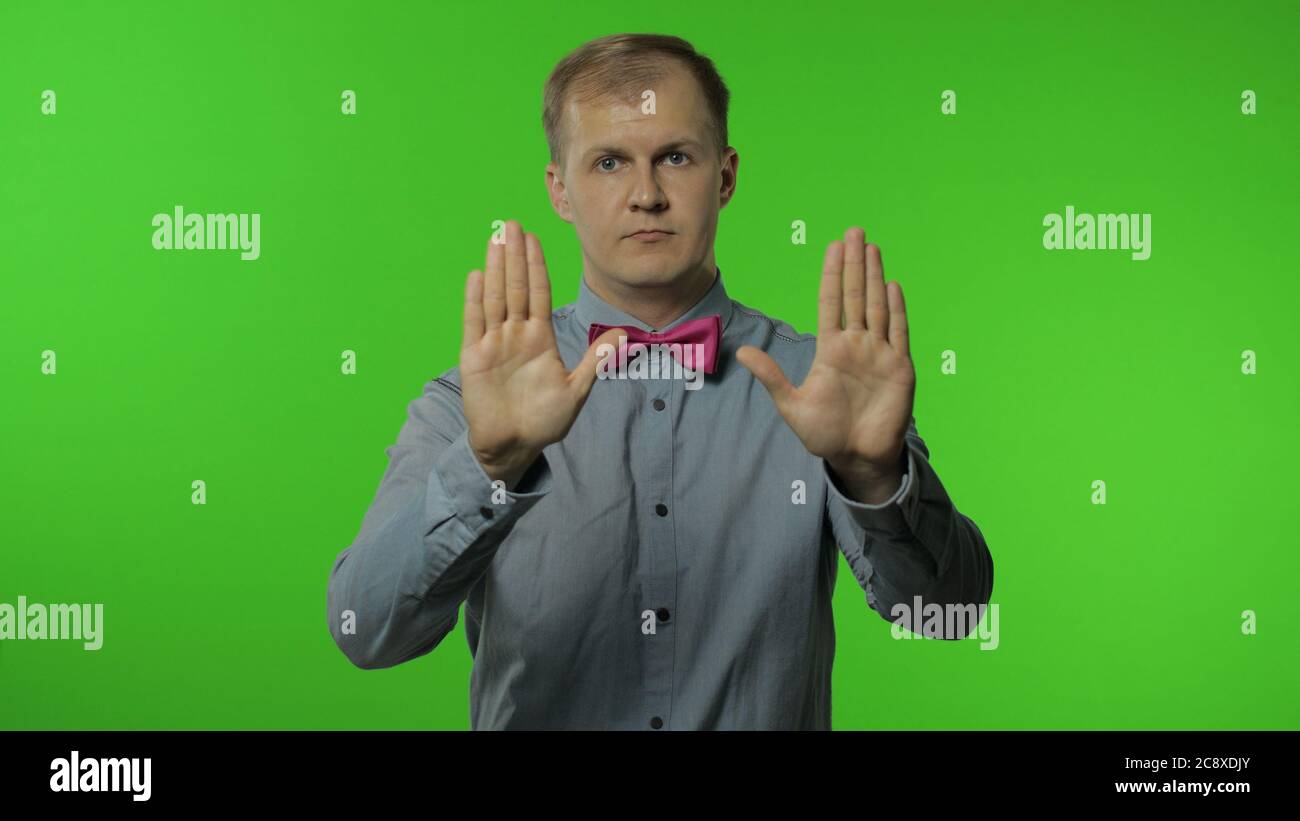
x,y
646,193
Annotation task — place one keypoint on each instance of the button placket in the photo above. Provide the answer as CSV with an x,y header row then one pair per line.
x,y
659,548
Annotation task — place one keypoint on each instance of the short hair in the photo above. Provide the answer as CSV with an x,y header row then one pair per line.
x,y
620,67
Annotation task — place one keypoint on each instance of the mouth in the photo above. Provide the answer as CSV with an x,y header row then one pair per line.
x,y
650,236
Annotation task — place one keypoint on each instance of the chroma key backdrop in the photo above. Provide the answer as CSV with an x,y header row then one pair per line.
x,y
1092,210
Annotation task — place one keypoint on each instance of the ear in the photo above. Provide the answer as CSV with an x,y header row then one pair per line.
x,y
556,191
730,162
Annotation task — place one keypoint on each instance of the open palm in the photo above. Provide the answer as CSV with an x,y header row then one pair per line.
x,y
518,395
855,403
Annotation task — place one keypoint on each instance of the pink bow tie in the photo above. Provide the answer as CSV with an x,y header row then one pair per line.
x,y
703,331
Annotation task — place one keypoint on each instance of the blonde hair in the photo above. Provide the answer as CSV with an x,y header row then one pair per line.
x,y
620,67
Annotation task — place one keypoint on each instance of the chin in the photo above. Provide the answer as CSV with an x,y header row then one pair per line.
x,y
651,272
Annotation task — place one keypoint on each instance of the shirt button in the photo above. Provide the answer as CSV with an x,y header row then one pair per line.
x,y
486,511
659,404
656,722
661,509
662,613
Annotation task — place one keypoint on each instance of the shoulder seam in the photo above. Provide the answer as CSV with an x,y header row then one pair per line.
x,y
770,321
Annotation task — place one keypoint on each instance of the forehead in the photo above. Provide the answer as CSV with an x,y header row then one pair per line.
x,y
680,113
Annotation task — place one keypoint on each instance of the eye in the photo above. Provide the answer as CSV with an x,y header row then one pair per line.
x,y
685,158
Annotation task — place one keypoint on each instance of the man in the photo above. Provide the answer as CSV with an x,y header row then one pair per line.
x,y
632,553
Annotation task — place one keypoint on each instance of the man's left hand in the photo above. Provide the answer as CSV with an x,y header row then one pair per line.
x,y
855,405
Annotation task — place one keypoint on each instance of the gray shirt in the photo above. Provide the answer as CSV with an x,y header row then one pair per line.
x,y
668,564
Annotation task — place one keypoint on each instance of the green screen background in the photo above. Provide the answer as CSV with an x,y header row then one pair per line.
x,y
1072,366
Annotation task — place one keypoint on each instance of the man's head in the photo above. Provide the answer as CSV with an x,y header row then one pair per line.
x,y
623,160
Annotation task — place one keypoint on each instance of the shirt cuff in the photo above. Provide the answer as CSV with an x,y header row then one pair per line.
x,y
888,517
460,488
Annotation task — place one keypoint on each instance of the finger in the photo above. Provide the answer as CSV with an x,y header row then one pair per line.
x,y
494,285
898,319
829,301
877,310
766,371
855,267
473,309
516,272
584,376
539,281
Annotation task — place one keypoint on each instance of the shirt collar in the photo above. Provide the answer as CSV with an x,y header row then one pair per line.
x,y
591,308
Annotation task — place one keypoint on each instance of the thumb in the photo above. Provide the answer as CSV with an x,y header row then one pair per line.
x,y
765,370
584,376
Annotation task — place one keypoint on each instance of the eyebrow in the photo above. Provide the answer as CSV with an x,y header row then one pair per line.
x,y
615,150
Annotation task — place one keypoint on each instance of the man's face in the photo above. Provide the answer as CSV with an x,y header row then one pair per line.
x,y
626,171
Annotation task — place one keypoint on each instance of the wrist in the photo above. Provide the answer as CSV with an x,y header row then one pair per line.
x,y
868,482
506,465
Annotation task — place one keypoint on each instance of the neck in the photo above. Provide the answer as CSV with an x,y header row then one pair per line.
x,y
656,306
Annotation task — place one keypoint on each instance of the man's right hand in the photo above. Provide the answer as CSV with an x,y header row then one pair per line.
x,y
518,395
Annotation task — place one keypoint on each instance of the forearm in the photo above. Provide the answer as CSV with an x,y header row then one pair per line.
x,y
431,532
921,546
376,616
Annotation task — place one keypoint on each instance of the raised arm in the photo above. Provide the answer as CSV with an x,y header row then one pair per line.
x,y
437,518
